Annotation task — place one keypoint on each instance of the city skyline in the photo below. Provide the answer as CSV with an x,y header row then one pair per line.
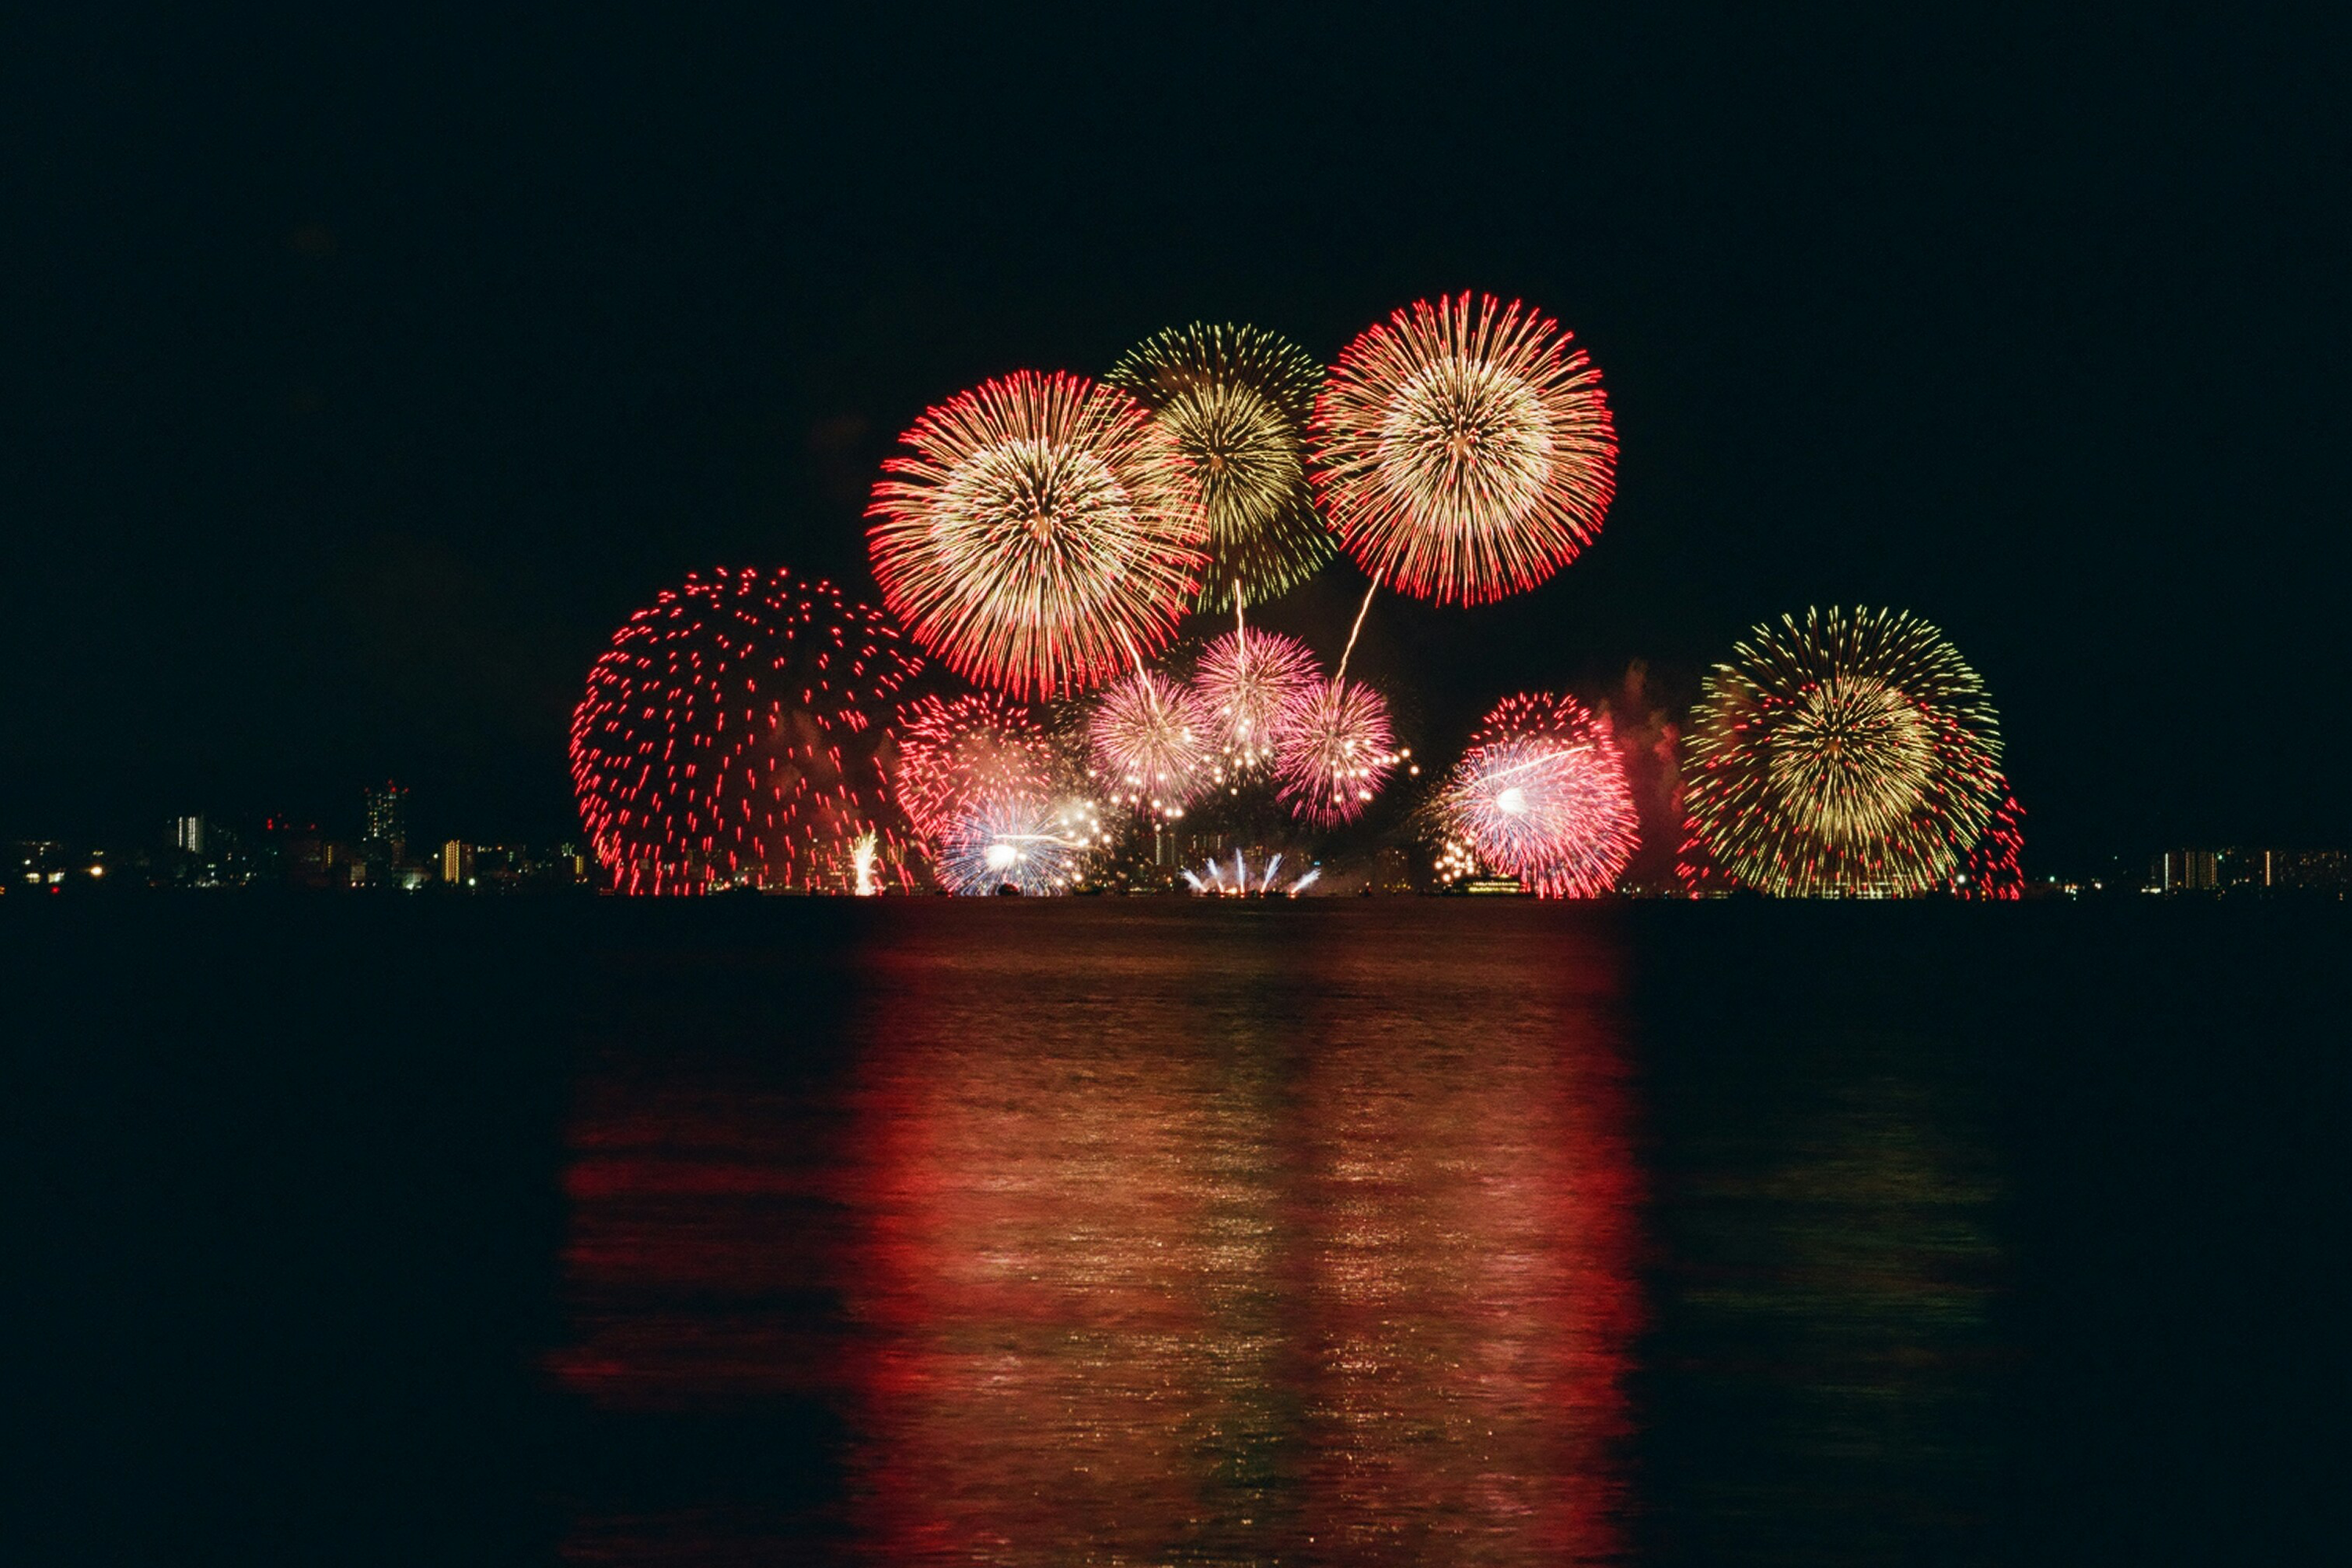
x,y
259,849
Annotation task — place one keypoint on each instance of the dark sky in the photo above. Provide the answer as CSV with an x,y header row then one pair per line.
x,y
362,374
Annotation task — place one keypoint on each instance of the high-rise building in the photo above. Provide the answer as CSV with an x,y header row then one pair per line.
x,y
387,817
188,833
2186,872
456,863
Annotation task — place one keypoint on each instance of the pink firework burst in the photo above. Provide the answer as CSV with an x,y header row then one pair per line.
x,y
1335,751
1150,738
1541,794
1251,682
957,752
1044,531
1463,449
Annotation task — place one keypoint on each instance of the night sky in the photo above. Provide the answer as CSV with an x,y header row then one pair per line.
x,y
364,374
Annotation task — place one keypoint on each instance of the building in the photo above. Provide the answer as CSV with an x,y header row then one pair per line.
x,y
2246,870
456,863
2185,871
2313,870
387,819
2259,872
188,833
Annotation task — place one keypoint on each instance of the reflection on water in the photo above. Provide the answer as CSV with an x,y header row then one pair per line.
x,y
1164,1234
1414,1231
1207,1240
1250,1243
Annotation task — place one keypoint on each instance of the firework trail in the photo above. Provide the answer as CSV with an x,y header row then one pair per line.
x,y
1463,449
1335,752
1250,683
1151,739
1237,399
1541,796
1044,534
727,738
1853,753
956,752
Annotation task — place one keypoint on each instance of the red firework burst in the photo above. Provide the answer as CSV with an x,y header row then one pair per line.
x,y
1463,449
727,736
1044,534
1541,794
956,752
1994,869
1696,868
1334,751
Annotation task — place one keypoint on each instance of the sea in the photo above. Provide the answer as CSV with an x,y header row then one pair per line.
x,y
1152,1231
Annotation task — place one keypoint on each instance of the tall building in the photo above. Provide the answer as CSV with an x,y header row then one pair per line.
x,y
456,863
2186,872
188,833
387,817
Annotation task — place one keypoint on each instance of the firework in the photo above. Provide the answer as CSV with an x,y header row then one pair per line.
x,y
1216,878
1456,862
1251,683
1541,796
1695,869
1336,752
1993,869
1150,738
955,752
1236,401
1032,845
1463,449
1043,533
727,738
864,852
1851,753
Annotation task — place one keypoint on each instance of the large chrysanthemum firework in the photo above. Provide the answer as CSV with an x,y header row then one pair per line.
x,y
1045,532
1851,753
1463,449
1033,845
727,738
1334,754
957,752
1150,738
1541,794
1236,400
1251,682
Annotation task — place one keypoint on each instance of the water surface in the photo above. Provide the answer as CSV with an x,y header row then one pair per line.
x,y
1140,1231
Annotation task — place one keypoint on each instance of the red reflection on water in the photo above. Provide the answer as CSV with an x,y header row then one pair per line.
x,y
1201,1241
